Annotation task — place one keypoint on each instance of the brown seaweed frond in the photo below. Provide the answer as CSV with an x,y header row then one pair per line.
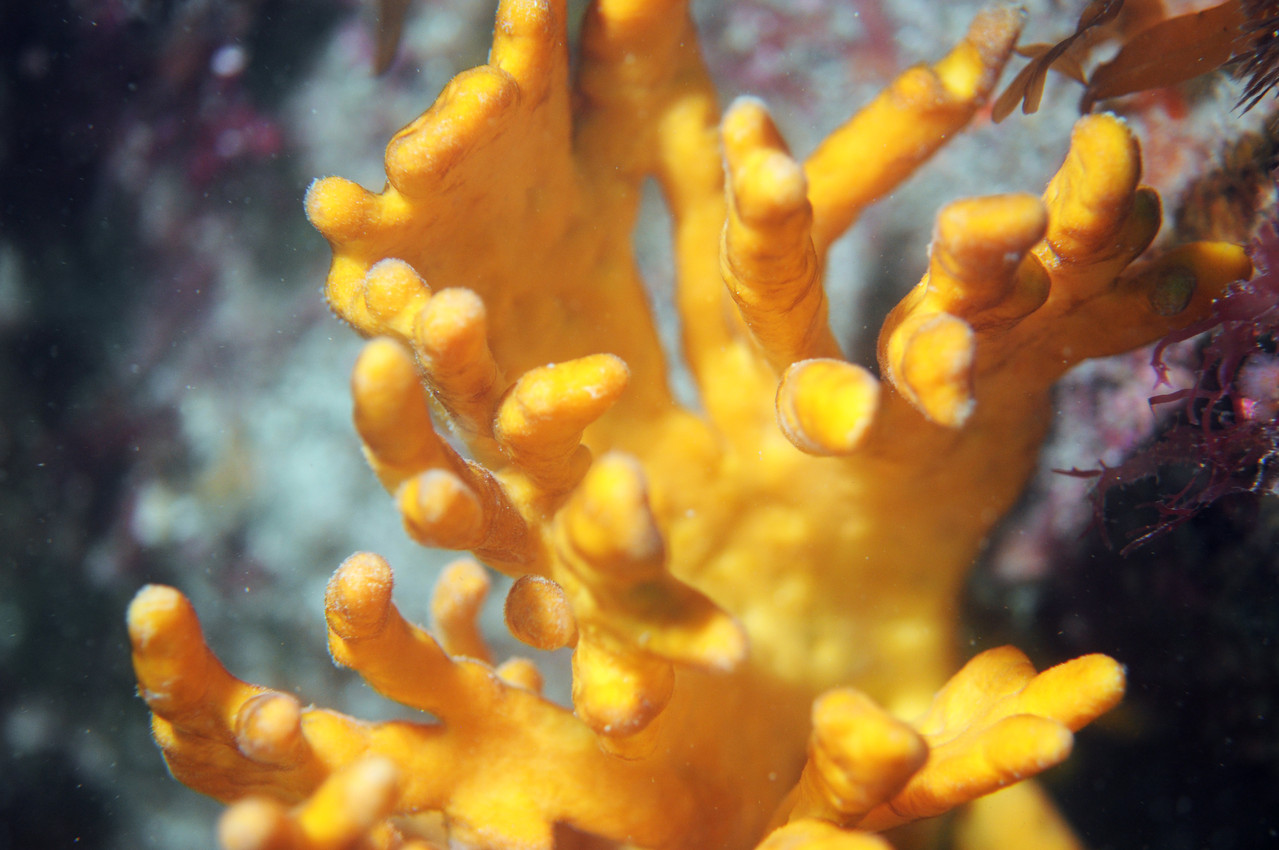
x,y
1027,88
1172,51
1169,51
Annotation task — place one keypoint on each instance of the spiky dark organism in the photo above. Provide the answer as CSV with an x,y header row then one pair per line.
x,y
1260,57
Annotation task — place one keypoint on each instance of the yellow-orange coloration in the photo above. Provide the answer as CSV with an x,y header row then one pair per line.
x,y
761,593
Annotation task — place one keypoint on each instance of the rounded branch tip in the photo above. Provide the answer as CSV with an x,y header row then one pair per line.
x,y
981,232
268,728
826,406
357,600
475,107
338,208
769,185
257,823
610,524
452,327
155,610
538,613
936,369
382,371
394,292
440,509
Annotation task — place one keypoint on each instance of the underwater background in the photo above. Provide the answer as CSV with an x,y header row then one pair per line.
x,y
175,405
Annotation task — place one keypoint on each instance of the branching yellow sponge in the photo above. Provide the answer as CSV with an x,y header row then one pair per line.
x,y
760,595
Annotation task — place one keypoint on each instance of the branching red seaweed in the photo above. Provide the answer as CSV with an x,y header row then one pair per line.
x,y
1226,435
